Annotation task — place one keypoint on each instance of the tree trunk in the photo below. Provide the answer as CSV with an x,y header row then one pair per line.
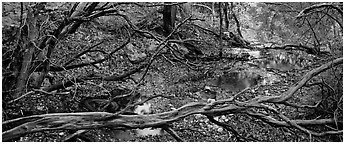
x,y
29,36
226,16
169,16
220,31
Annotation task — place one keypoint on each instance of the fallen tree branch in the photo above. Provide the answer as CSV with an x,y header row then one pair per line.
x,y
228,127
89,120
65,84
275,122
92,120
79,132
285,96
173,133
100,60
62,68
310,9
160,47
28,93
80,54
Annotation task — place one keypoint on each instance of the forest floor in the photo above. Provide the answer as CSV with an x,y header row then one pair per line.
x,y
183,84
198,128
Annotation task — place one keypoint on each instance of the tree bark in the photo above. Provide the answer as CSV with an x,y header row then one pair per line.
x,y
220,31
30,35
169,16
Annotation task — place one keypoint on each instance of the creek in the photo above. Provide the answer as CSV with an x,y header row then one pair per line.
x,y
255,72
257,69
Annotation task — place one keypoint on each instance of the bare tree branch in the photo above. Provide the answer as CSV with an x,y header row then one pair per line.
x,y
292,90
80,54
227,127
275,122
173,133
310,9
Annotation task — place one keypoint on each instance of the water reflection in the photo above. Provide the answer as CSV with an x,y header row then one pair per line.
x,y
276,59
281,60
236,81
282,65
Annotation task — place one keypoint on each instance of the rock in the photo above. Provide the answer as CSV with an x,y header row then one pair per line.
x,y
207,94
133,54
220,129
